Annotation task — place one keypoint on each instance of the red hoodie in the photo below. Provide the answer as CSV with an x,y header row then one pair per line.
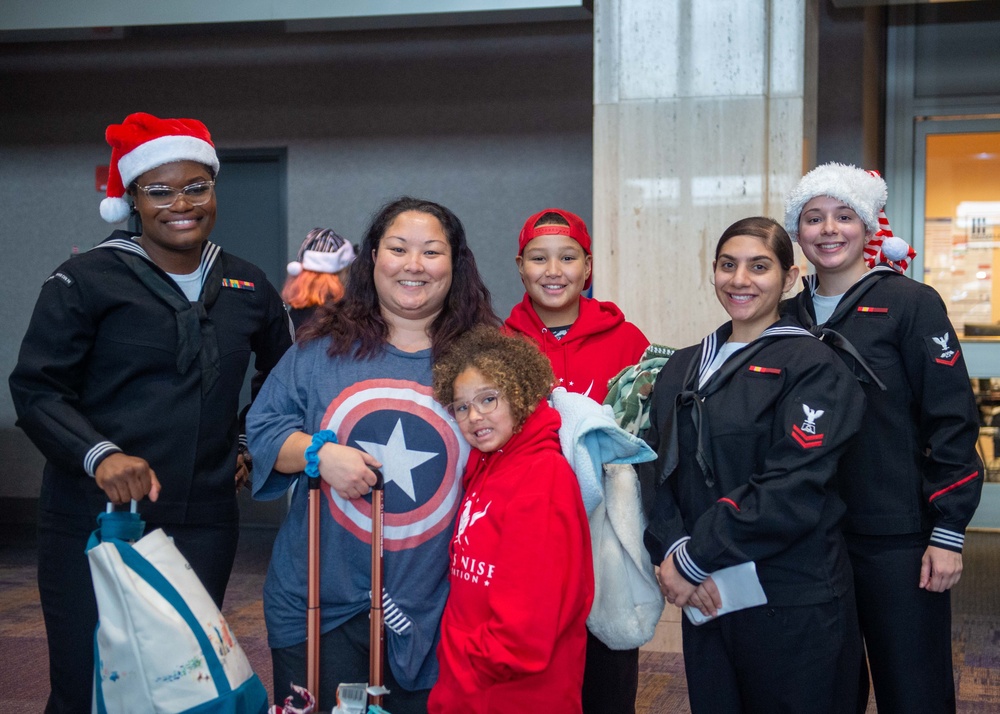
x,y
599,345
514,632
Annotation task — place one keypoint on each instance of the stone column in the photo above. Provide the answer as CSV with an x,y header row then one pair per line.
x,y
703,114
701,117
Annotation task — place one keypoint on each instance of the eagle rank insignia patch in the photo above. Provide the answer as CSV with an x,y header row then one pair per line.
x,y
806,435
941,349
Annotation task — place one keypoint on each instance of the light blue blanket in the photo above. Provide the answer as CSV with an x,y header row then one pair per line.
x,y
590,437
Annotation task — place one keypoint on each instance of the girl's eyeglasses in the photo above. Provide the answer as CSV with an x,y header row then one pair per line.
x,y
484,402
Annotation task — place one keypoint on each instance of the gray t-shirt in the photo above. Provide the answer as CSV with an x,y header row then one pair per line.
x,y
383,406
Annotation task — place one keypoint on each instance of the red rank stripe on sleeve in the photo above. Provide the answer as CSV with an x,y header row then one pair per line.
x,y
948,362
764,370
806,441
237,284
880,310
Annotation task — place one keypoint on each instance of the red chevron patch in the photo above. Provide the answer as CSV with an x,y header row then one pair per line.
x,y
948,362
806,441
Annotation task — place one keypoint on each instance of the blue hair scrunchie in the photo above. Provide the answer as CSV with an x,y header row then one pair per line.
x,y
312,451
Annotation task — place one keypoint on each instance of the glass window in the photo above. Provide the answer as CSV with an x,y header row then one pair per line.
x,y
962,227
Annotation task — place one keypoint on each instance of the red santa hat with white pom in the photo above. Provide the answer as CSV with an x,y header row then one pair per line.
x,y
143,142
866,193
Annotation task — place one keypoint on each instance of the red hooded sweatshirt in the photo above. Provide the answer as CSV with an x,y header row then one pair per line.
x,y
514,632
599,345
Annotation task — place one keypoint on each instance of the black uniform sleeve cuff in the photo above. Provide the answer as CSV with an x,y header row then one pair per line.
x,y
948,539
98,452
687,567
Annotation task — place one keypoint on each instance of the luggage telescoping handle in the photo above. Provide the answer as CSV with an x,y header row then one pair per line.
x,y
376,644
312,586
313,569
312,558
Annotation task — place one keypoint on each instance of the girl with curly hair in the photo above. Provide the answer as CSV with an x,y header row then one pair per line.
x,y
513,634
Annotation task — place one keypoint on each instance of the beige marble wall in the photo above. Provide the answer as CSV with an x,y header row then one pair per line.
x,y
703,114
700,119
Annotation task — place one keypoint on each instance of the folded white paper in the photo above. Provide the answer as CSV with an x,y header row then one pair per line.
x,y
739,588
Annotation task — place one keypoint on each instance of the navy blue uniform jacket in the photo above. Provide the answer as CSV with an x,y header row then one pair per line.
x,y
914,466
98,372
752,476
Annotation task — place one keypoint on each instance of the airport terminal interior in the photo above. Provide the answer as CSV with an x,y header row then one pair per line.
x,y
658,121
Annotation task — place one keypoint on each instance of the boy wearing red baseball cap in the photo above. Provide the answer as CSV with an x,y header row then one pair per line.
x,y
588,343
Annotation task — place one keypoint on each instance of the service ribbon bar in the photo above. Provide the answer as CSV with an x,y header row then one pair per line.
x,y
237,284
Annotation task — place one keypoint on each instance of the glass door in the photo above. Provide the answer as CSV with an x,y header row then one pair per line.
x,y
957,229
957,233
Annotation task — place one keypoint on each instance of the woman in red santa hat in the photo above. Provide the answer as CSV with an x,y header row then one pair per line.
x,y
129,380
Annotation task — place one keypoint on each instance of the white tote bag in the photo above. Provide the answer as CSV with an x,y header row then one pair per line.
x,y
161,644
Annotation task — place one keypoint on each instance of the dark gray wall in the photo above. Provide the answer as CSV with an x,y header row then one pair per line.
x,y
850,87
493,122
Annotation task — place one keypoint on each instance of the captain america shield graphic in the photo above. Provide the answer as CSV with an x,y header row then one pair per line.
x,y
422,455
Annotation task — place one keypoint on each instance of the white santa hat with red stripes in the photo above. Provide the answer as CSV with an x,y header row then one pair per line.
x,y
884,247
865,193
323,251
143,142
